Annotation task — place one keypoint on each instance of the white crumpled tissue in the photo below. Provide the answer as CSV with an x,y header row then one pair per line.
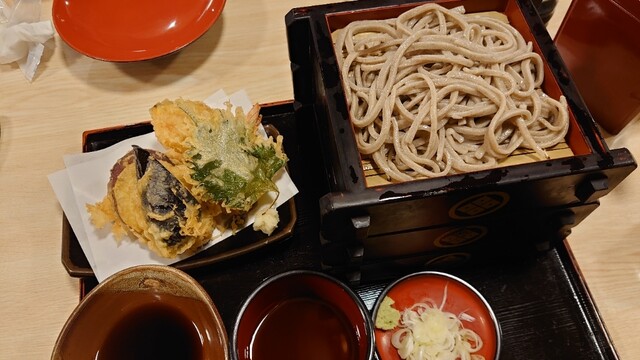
x,y
22,35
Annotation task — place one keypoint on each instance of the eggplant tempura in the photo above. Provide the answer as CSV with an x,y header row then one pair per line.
x,y
145,199
216,167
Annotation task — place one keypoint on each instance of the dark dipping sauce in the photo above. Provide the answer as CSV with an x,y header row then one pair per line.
x,y
154,331
143,325
304,329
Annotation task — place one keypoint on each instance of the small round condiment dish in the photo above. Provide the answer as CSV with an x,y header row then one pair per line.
x,y
305,315
461,297
144,312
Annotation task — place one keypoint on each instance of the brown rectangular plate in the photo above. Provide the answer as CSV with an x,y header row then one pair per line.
x,y
245,241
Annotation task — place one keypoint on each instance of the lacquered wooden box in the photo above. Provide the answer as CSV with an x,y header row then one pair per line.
x,y
487,214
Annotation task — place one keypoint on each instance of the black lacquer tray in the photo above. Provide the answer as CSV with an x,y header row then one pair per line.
x,y
246,240
544,308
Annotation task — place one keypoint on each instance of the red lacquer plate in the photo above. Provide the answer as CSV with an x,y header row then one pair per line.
x,y
122,31
461,297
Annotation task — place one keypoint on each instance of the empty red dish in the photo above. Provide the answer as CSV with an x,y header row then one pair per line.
x,y
120,30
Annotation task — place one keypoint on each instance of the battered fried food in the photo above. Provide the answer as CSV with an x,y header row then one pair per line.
x,y
216,167
227,160
147,201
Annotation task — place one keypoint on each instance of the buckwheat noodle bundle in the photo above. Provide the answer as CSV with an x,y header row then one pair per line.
x,y
435,92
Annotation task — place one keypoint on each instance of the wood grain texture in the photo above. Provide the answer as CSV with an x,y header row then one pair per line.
x,y
246,49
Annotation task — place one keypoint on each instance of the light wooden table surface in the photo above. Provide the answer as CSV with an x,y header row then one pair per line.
x,y
245,49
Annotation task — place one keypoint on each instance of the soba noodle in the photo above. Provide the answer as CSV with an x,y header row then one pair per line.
x,y
435,92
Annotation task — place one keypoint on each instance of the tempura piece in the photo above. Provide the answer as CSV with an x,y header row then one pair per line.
x,y
226,160
145,199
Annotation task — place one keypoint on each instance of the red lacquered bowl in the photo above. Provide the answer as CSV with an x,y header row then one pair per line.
x,y
122,31
256,319
461,297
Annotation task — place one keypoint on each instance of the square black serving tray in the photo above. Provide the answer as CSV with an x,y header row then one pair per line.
x,y
543,306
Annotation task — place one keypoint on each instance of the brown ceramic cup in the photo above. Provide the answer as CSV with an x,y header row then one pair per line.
x,y
306,315
144,312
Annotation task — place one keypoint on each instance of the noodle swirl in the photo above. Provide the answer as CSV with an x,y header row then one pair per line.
x,y
435,92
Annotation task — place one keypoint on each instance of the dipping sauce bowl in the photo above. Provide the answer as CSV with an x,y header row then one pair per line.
x,y
454,294
144,312
304,315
